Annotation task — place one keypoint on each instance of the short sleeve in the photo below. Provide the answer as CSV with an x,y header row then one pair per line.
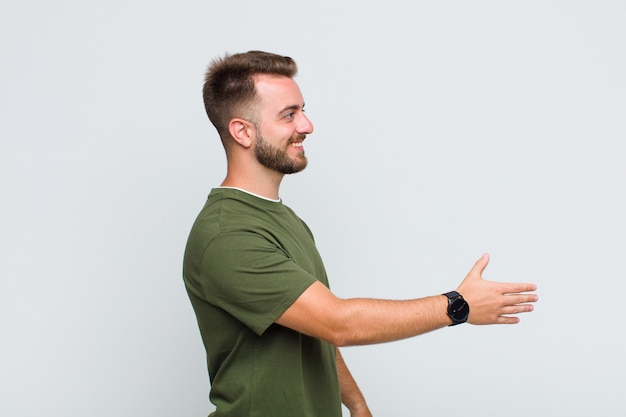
x,y
251,278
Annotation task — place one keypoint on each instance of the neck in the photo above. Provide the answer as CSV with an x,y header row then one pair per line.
x,y
266,184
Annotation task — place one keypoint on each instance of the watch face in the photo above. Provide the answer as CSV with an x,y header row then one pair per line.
x,y
459,309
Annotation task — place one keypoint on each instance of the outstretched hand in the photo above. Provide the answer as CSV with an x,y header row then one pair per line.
x,y
494,302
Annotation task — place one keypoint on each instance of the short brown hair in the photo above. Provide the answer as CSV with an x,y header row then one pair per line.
x,y
229,90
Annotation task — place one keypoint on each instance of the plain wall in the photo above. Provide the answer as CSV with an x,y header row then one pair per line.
x,y
442,130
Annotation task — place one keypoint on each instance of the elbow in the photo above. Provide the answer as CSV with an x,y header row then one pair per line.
x,y
342,330
339,339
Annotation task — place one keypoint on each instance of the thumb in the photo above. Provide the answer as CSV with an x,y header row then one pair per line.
x,y
480,266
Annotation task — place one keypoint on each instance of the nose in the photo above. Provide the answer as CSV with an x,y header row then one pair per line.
x,y
305,126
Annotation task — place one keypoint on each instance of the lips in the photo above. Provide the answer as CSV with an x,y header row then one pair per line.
x,y
297,141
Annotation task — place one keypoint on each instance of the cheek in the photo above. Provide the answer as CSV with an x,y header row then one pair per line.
x,y
279,136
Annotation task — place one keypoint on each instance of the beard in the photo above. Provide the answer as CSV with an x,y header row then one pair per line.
x,y
278,159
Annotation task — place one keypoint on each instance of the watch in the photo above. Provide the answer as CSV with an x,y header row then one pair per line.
x,y
458,309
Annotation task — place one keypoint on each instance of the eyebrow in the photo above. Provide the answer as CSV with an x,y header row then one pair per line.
x,y
292,107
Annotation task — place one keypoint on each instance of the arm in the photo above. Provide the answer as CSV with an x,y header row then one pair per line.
x,y
343,322
351,395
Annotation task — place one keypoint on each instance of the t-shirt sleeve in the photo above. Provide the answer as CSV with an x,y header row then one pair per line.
x,y
251,278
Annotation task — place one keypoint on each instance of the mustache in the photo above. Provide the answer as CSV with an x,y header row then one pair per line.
x,y
297,138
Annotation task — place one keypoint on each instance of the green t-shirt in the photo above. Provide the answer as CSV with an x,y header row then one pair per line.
x,y
247,260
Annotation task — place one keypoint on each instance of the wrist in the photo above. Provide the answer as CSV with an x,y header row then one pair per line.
x,y
458,309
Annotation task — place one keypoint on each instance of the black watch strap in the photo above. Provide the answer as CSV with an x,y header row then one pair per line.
x,y
452,294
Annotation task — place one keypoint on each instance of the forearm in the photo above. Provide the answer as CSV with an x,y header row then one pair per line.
x,y
351,395
360,321
368,321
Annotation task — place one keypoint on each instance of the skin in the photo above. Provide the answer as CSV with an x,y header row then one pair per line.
x,y
351,395
283,125
281,128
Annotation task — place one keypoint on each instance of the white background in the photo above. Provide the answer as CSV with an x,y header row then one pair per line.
x,y
443,130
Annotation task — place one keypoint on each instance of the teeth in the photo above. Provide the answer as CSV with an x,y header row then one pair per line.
x,y
297,144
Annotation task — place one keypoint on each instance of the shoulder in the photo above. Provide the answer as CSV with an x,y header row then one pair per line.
x,y
229,211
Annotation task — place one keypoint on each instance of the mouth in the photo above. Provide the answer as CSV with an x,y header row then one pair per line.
x,y
297,143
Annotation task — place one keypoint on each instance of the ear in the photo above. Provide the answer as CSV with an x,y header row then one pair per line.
x,y
241,131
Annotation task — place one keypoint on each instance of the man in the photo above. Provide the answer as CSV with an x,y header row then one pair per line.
x,y
269,323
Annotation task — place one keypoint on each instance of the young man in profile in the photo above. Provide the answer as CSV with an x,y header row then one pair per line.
x,y
269,322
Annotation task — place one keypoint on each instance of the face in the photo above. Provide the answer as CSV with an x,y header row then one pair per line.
x,y
282,125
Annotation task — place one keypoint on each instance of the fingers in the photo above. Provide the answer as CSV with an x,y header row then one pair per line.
x,y
504,315
509,314
506,288
514,299
507,320
480,265
517,309
514,305
516,287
